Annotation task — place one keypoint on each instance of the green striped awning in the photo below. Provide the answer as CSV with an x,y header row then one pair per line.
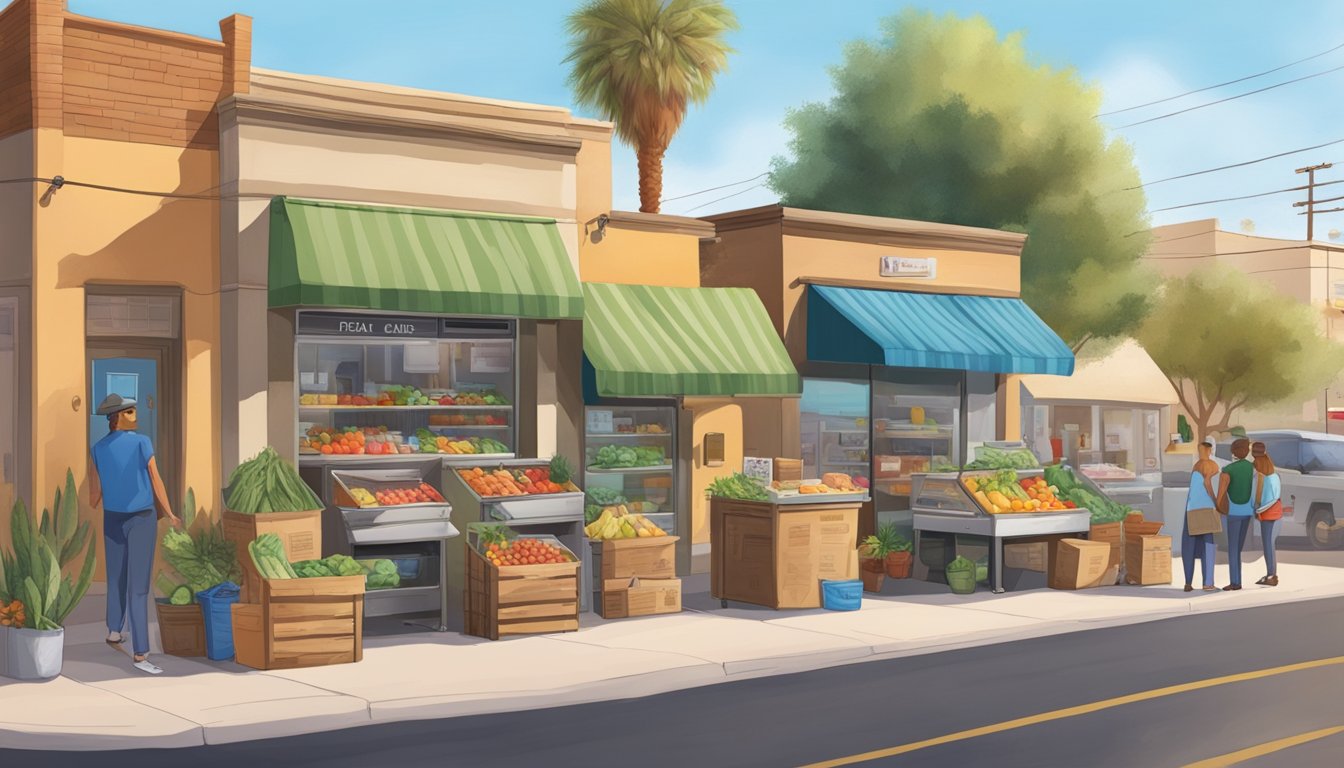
x,y
325,254
652,341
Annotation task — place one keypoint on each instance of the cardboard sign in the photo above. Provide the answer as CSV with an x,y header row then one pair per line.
x,y
761,469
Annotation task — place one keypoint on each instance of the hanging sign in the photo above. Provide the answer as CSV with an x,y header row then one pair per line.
x,y
908,266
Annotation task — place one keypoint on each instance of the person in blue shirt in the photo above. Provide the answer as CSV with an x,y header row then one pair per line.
x,y
1200,496
125,481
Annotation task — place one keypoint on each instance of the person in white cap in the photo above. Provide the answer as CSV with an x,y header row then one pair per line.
x,y
1201,513
125,481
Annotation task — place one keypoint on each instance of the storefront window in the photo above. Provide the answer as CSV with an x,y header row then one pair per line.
x,y
630,458
918,426
835,428
444,390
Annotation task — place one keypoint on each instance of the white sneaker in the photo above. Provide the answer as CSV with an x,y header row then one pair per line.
x,y
145,665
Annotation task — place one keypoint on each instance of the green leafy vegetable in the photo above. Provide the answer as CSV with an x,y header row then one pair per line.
x,y
268,483
739,486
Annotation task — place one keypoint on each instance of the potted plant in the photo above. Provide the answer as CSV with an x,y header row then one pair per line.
x,y
36,595
898,548
873,563
200,559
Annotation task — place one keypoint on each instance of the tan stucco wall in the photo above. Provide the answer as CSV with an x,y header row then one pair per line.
x,y
748,258
89,236
711,415
633,257
16,209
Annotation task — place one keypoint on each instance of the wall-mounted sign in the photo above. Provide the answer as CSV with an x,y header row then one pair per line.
x,y
908,266
333,324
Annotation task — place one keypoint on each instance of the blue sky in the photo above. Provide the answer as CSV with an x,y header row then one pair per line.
x,y
1136,51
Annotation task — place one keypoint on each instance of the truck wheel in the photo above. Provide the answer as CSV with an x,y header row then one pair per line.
x,y
1321,529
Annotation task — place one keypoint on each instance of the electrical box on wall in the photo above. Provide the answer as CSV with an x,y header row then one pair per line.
x,y
713,449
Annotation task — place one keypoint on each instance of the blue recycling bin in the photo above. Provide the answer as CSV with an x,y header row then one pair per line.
x,y
216,607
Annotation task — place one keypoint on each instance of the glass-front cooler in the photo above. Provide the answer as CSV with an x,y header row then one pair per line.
x,y
630,458
835,428
379,386
917,428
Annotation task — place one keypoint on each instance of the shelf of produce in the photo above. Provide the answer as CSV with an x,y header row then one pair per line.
x,y
377,408
465,427
599,437
914,436
845,463
628,470
469,459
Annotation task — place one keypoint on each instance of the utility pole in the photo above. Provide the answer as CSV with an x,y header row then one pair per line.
x,y
1311,200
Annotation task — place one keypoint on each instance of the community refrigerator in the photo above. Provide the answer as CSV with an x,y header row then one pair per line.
x,y
630,457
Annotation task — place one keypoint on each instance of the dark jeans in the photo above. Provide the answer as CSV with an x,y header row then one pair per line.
x,y
1201,547
1268,532
128,540
1237,528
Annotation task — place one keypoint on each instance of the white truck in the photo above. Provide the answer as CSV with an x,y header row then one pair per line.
x,y
1311,466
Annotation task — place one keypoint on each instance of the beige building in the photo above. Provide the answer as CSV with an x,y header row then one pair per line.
x,y
1309,272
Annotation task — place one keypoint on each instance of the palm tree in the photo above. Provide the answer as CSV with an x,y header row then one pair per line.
x,y
640,63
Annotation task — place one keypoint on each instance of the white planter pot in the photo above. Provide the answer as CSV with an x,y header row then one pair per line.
x,y
31,654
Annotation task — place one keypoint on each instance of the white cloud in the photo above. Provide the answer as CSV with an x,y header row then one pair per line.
x,y
736,152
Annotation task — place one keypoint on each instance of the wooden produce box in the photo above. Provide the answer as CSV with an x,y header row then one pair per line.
x,y
788,469
653,557
300,532
627,598
520,599
1111,533
777,555
181,628
301,623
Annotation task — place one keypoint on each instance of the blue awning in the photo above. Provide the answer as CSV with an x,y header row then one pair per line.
x,y
930,330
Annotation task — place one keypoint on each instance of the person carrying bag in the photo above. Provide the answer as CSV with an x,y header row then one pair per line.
x,y
1201,520
1268,509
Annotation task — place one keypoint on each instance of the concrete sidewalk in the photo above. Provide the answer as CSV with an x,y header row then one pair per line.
x,y
99,702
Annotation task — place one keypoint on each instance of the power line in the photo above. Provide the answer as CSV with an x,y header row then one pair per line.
x,y
1241,197
1220,85
725,197
129,191
713,189
1235,165
1304,244
1231,98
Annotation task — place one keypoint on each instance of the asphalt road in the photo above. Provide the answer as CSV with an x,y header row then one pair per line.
x,y
827,714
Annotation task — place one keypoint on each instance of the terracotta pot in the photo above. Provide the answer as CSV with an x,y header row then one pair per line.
x,y
872,572
898,565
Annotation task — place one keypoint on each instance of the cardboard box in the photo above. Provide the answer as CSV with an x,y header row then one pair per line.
x,y
624,598
648,558
1032,556
1148,560
777,556
1112,533
1078,563
1113,565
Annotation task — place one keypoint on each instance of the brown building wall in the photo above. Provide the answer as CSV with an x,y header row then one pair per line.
x,y
16,103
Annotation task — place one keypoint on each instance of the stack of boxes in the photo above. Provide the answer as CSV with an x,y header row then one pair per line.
x,y
638,577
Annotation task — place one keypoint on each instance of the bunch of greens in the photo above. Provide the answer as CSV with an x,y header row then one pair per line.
x,y
202,558
380,574
268,483
989,457
268,555
333,565
739,486
649,456
615,457
429,442
1070,489
605,497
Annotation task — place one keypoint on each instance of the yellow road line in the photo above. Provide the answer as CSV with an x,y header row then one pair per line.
x,y
1082,709
1269,747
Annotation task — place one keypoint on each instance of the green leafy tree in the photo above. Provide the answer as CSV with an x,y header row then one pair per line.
x,y
640,64
1227,342
942,120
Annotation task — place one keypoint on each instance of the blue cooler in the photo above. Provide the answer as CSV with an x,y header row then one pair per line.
x,y
841,594
216,607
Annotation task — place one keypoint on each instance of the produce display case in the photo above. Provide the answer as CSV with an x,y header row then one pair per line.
x,y
558,514
944,505
397,388
630,458
401,515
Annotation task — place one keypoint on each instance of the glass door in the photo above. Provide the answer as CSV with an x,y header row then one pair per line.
x,y
918,426
835,428
630,458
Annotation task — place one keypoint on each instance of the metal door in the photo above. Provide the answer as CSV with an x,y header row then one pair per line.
x,y
133,377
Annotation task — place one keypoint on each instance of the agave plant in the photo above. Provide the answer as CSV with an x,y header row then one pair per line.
x,y
32,571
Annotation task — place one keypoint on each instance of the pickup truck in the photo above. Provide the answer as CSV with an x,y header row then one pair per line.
x,y
1311,466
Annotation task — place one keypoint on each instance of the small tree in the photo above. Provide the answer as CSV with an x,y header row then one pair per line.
x,y
1227,342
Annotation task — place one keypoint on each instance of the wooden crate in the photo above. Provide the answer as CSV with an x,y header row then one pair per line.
x,y
520,599
301,623
181,628
653,557
300,532
625,598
